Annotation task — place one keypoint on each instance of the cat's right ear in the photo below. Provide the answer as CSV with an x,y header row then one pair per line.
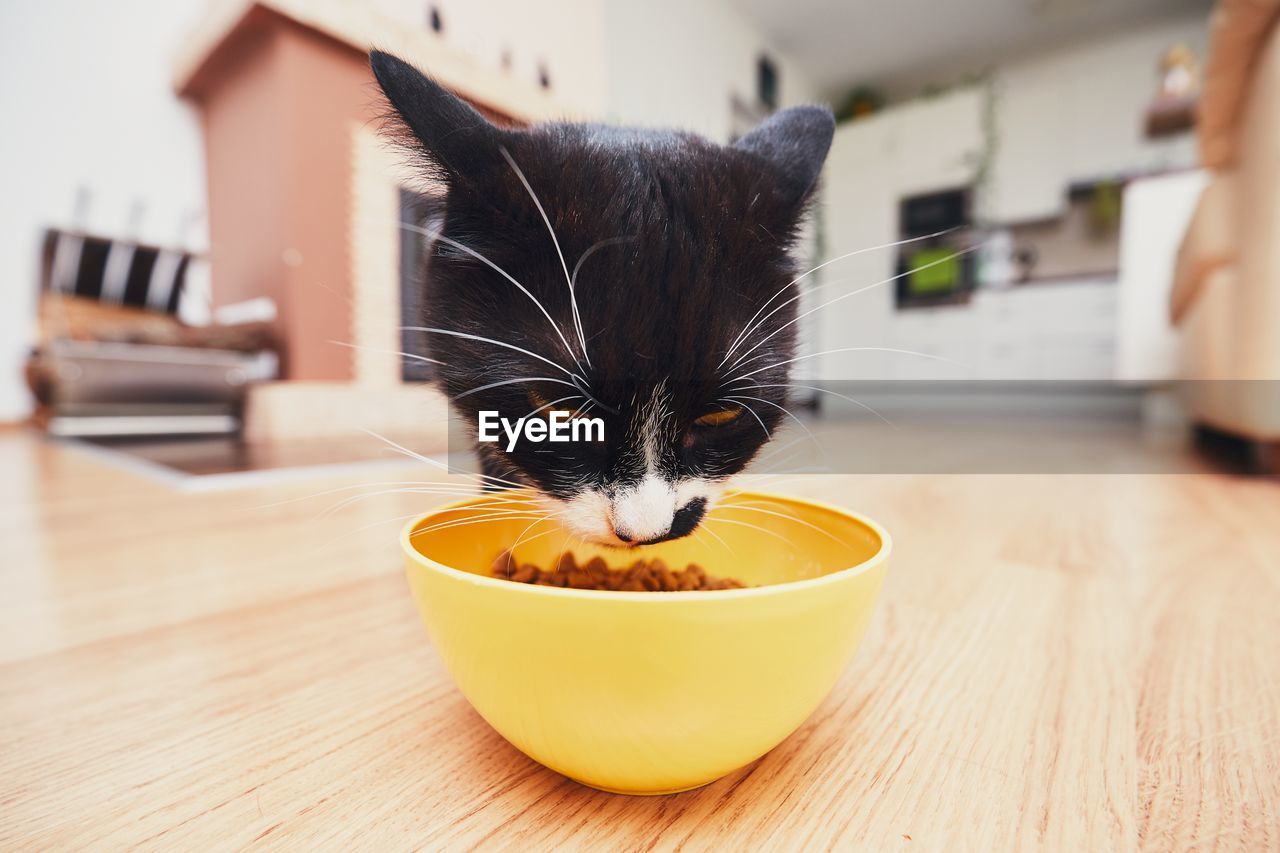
x,y
795,142
454,139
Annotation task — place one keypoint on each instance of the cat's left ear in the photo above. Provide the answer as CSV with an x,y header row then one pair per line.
x,y
453,137
794,142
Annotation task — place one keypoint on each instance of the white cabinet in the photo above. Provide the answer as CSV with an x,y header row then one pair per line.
x,y
860,197
939,141
1156,214
1029,175
860,185
1032,332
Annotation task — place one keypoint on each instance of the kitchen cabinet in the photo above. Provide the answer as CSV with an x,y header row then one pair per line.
x,y
1029,174
1157,212
1038,331
940,141
859,211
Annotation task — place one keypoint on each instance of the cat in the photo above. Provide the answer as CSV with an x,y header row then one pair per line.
x,y
642,277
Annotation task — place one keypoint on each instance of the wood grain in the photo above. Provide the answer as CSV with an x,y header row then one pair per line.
x,y
1059,662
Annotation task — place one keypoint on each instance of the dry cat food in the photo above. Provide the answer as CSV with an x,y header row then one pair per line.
x,y
640,576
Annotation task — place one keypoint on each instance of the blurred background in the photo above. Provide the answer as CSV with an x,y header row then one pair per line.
x,y
205,636
201,237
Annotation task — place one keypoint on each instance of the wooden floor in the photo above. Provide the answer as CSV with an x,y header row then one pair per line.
x,y
1074,663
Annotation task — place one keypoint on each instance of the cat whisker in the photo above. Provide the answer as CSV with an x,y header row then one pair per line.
x,y
442,466
752,412
740,397
344,489
436,235
329,543
609,241
764,530
846,349
775,450
812,469
573,299
786,412
578,382
746,331
525,532
482,339
470,492
482,480
776,457
702,528
408,355
789,516
470,522
778,467
534,539
516,507
825,391
849,295
515,381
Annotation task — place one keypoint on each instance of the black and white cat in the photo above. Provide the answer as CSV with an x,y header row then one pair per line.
x,y
643,277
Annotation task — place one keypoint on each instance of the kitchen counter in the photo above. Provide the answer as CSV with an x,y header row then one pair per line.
x,y
1069,662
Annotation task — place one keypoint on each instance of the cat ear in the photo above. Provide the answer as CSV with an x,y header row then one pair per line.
x,y
453,136
795,142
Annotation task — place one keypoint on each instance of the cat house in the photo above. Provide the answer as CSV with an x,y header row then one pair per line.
x,y
306,199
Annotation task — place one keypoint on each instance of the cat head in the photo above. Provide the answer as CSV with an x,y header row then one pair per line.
x,y
640,277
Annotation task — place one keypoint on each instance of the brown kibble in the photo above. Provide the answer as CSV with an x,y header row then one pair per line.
x,y
640,576
667,580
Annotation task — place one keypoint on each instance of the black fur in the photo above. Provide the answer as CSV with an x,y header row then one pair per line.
x,y
700,239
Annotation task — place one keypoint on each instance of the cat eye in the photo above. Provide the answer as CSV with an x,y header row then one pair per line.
x,y
719,417
545,407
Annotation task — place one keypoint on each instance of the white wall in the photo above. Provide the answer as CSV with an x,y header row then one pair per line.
x,y
85,92
565,36
674,63
665,63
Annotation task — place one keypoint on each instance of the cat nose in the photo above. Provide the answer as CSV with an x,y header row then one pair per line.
x,y
683,522
627,537
644,512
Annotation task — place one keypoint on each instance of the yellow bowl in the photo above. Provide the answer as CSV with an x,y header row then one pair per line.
x,y
649,692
